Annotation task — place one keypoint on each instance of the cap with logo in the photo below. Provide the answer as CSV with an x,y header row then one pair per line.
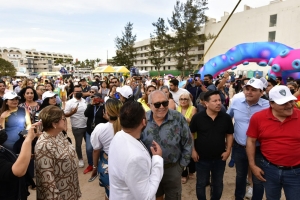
x,y
256,83
281,94
10,95
125,91
48,94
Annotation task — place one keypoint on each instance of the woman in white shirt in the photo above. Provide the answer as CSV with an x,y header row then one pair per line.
x,y
63,93
100,140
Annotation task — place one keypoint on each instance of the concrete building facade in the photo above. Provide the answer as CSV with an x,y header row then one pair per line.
x,y
31,61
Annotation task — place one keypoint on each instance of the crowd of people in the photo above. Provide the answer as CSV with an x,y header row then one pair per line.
x,y
145,136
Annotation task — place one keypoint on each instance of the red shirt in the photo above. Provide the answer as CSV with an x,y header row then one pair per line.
x,y
280,141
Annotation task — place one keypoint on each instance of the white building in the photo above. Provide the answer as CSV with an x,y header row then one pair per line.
x,y
31,61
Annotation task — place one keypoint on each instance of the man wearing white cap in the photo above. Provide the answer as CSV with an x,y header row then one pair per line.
x,y
125,93
277,130
242,110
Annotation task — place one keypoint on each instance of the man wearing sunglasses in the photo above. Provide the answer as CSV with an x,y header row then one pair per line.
x,y
40,89
171,131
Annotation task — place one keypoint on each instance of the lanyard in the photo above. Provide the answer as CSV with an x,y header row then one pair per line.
x,y
95,111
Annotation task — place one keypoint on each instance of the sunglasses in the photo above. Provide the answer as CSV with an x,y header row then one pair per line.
x,y
184,99
158,104
114,82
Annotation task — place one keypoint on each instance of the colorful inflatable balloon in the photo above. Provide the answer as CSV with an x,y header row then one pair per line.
x,y
284,61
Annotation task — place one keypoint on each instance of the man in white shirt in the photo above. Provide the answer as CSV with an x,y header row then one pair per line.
x,y
133,174
75,108
176,92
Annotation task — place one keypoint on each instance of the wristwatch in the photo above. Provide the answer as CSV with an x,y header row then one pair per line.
x,y
95,167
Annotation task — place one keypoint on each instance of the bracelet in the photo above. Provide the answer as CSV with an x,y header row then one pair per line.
x,y
95,167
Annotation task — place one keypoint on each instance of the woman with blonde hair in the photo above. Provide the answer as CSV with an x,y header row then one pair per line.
x,y
56,161
187,109
100,140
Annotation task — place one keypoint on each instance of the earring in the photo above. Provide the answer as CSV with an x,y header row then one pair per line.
x,y
55,127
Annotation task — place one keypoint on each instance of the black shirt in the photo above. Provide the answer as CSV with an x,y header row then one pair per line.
x,y
210,142
9,183
89,113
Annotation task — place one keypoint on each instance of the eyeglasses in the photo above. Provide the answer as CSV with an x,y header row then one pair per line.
x,y
92,92
65,119
158,104
184,99
114,81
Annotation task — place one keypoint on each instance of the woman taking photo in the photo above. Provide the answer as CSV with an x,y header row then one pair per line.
x,y
56,161
13,119
100,140
28,97
103,89
13,168
70,89
172,104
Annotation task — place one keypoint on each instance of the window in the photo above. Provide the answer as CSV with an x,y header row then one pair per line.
x,y
273,20
145,62
272,36
169,59
164,68
141,68
169,67
155,68
200,56
151,68
141,62
201,47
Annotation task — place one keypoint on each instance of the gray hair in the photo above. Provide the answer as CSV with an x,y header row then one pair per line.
x,y
153,93
164,87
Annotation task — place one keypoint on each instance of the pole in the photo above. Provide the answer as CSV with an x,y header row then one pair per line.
x,y
202,59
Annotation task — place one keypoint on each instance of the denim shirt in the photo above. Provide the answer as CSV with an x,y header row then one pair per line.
x,y
241,113
173,136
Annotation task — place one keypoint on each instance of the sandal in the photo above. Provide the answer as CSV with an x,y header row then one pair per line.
x,y
184,180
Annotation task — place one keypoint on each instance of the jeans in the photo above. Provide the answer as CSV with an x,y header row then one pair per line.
x,y
204,168
89,148
276,179
79,134
241,165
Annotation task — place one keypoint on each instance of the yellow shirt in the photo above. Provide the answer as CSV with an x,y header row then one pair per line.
x,y
145,106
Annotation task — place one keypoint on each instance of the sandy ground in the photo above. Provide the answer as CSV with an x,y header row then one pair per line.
x,y
92,190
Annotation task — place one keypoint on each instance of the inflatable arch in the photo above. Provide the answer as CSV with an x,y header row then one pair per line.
x,y
284,60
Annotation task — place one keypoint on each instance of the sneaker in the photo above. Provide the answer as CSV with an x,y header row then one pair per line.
x,y
249,193
81,163
88,169
231,163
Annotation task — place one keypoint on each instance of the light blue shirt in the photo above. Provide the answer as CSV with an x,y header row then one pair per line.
x,y
241,113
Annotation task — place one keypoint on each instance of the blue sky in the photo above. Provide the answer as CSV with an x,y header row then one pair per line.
x,y
86,29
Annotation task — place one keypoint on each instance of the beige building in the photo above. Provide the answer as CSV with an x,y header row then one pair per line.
x,y
33,62
143,63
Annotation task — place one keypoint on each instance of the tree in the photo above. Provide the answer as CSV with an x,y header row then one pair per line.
x,y
185,22
97,61
7,68
125,53
158,41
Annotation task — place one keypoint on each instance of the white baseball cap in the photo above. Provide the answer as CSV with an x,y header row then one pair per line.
x,y
10,95
125,91
48,94
281,94
256,83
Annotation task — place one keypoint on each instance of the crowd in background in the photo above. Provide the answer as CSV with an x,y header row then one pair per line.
x,y
34,114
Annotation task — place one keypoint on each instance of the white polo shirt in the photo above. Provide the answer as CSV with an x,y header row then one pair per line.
x,y
177,94
78,120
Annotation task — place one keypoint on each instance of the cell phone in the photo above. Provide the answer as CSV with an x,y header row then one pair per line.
x,y
39,128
